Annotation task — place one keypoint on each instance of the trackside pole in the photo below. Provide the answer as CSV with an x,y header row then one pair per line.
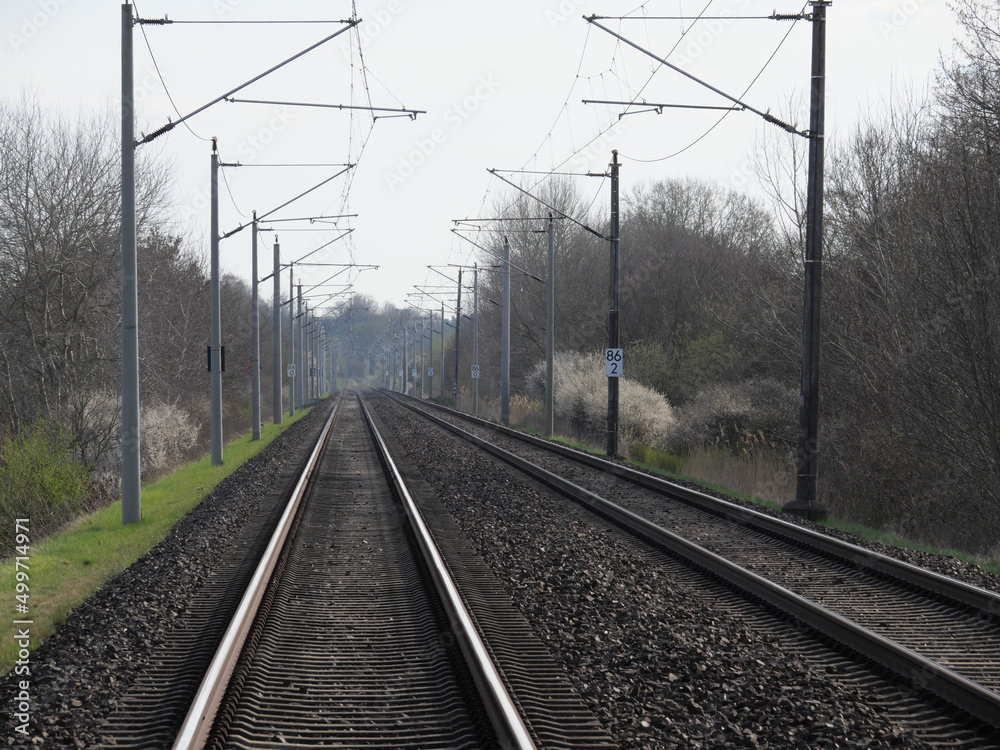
x,y
505,337
441,373
806,502
215,319
131,494
549,335
613,329
276,329
299,395
458,331
255,335
475,339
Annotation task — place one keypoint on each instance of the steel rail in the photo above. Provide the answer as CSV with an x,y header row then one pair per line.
x,y
924,673
505,717
197,723
964,593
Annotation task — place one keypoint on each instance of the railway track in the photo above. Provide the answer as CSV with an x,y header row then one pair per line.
x,y
369,623
937,635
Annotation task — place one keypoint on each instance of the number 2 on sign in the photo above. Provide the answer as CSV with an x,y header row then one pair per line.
x,y
613,363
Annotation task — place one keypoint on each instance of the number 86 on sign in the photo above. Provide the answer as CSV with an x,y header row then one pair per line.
x,y
613,363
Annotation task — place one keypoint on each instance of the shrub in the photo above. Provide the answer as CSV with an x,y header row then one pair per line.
x,y
167,433
41,478
526,412
737,417
652,457
581,396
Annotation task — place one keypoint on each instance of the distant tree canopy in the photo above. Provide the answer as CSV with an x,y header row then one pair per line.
x,y
60,281
711,300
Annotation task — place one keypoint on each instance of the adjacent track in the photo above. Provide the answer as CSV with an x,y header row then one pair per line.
x,y
939,635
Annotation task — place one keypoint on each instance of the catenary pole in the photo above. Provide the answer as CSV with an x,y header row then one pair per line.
x,y
311,353
215,318
806,502
612,450
276,333
458,331
255,335
505,337
291,338
549,334
131,493
422,371
299,399
441,372
475,338
306,358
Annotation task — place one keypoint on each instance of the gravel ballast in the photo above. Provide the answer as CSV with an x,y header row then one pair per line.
x,y
660,662
78,673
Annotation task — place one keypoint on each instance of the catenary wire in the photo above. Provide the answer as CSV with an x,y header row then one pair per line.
x,y
159,75
726,114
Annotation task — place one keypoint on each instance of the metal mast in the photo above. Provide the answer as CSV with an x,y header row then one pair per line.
x,y
805,503
549,335
131,498
276,333
612,450
215,319
505,337
255,334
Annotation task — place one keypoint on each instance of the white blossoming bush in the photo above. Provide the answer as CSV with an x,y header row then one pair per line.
x,y
581,395
167,433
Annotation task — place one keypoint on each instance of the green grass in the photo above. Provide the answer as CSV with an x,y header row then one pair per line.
x,y
991,565
894,540
70,565
859,530
578,445
653,457
708,485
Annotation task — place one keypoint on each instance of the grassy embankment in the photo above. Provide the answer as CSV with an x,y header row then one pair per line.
x,y
70,565
764,481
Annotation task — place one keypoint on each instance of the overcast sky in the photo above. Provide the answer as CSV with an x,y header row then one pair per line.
x,y
501,84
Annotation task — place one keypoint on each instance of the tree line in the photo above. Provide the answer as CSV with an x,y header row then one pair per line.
x,y
60,315
711,302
